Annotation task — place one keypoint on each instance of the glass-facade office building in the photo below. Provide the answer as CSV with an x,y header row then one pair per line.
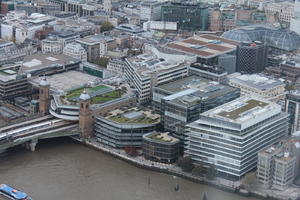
x,y
231,135
189,16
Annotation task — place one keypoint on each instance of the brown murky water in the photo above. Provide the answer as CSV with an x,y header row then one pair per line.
x,y
63,170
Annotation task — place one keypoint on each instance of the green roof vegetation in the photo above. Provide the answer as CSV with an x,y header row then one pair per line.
x,y
237,112
159,137
141,120
106,97
74,93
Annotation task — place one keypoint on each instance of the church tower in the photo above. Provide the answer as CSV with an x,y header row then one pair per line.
x,y
44,95
85,115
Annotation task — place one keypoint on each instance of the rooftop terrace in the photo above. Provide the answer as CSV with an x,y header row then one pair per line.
x,y
162,137
244,110
135,115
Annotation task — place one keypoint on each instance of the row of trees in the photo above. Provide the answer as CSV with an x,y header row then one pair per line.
x,y
187,165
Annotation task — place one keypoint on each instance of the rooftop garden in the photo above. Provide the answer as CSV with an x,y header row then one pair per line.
x,y
250,104
99,94
161,137
140,120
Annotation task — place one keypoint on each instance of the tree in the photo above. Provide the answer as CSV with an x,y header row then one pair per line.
x,y
250,181
106,26
199,170
102,61
211,172
186,164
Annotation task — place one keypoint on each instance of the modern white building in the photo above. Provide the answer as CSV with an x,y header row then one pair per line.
x,y
258,85
295,21
230,136
51,45
75,50
153,68
150,10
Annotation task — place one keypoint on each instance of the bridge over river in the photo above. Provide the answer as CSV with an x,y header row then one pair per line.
x,y
29,132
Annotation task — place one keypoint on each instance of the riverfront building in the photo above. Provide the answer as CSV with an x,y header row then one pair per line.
x,y
231,135
160,147
180,102
258,85
125,127
278,165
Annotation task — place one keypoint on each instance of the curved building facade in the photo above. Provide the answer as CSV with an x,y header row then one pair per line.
x,y
280,39
251,57
121,129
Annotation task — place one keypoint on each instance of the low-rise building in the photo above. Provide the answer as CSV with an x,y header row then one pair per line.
x,y
125,127
231,135
96,46
258,85
51,45
47,64
160,147
76,51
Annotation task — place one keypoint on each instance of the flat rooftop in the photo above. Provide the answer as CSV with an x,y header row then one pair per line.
x,y
7,75
68,80
134,115
149,63
162,137
94,39
193,90
245,109
204,46
41,61
257,81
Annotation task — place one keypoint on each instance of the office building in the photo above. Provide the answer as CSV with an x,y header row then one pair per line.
x,y
295,21
47,64
210,50
96,46
190,16
251,57
268,88
153,68
282,10
213,73
51,45
160,147
76,51
125,127
180,102
150,10
277,165
13,84
18,27
292,106
231,135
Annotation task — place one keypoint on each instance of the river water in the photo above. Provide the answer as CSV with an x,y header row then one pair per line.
x,y
61,169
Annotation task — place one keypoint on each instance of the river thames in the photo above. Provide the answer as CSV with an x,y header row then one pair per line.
x,y
61,169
